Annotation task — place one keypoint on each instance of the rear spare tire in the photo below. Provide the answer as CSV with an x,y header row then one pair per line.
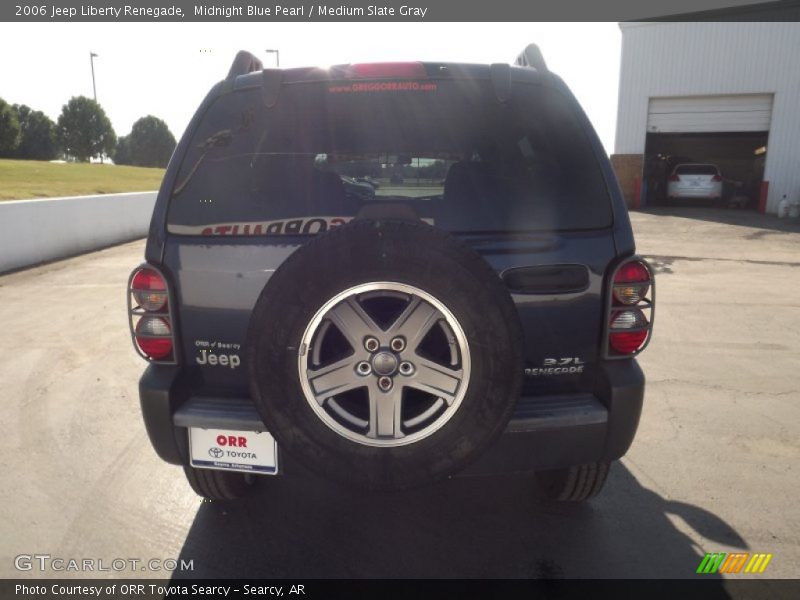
x,y
385,354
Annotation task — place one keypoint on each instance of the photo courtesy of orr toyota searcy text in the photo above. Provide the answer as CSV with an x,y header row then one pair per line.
x,y
138,589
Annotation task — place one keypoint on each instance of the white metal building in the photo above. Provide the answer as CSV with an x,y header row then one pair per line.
x,y
722,92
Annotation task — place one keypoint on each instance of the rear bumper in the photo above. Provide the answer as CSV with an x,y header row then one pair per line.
x,y
708,193
546,432
568,430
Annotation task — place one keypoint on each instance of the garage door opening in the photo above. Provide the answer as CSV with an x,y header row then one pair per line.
x,y
740,157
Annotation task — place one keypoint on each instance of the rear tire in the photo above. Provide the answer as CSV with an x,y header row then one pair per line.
x,y
573,484
219,485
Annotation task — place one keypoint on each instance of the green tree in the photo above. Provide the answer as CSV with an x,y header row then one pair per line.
x,y
37,134
84,131
150,142
122,153
9,129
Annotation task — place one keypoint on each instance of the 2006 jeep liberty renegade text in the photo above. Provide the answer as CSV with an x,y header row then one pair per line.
x,y
391,274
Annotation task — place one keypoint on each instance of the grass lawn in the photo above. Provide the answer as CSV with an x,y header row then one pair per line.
x,y
20,179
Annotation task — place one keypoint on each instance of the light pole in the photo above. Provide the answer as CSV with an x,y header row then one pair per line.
x,y
277,54
92,56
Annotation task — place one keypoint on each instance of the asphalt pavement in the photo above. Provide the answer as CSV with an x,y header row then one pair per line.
x,y
714,467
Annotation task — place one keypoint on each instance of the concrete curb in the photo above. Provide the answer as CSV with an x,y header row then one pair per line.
x,y
43,229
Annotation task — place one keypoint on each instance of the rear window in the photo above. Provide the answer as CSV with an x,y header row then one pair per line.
x,y
696,170
445,151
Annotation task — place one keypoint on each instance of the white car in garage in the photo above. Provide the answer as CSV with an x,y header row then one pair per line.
x,y
695,180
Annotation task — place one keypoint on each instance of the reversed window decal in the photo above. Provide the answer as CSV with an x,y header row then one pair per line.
x,y
300,226
305,225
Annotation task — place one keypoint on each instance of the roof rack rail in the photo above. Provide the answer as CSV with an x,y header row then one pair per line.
x,y
532,57
244,63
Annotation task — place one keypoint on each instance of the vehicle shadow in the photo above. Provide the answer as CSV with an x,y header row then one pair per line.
x,y
728,216
483,527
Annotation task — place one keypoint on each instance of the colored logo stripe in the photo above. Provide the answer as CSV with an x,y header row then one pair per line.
x,y
758,563
711,563
734,562
720,562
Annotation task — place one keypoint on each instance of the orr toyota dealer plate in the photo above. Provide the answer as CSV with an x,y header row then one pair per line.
x,y
245,451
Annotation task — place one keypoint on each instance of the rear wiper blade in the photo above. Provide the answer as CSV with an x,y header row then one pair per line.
x,y
220,139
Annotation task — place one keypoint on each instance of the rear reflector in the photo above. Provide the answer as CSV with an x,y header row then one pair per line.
x,y
627,343
395,70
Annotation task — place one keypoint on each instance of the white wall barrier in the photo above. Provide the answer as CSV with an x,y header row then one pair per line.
x,y
33,231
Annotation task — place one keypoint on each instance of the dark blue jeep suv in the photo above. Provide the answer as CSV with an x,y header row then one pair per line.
x,y
391,274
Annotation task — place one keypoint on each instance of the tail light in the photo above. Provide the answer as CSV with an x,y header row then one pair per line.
x,y
716,178
631,283
149,289
149,315
674,177
631,305
154,337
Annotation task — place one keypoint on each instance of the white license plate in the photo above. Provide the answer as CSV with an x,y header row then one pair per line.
x,y
226,450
